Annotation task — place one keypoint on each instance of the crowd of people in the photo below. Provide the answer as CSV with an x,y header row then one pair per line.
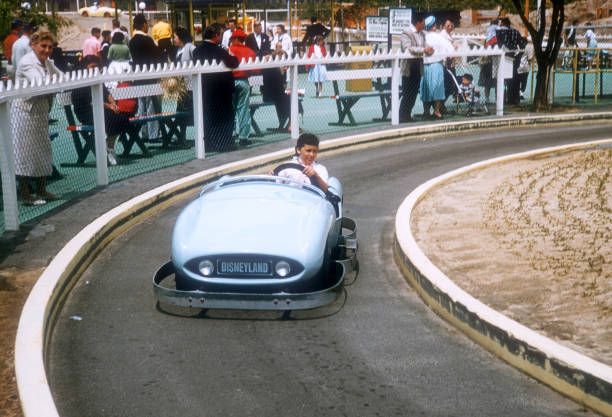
x,y
433,75
427,73
226,95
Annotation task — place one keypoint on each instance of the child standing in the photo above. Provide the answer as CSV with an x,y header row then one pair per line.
x,y
318,72
468,90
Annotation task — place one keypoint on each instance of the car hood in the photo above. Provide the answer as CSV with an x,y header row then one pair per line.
x,y
272,219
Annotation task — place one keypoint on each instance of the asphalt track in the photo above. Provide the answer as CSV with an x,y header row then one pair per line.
x,y
377,351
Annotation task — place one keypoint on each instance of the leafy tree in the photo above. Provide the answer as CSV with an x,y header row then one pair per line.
x,y
545,56
11,9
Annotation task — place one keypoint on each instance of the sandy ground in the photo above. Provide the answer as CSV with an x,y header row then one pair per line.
x,y
533,240
15,285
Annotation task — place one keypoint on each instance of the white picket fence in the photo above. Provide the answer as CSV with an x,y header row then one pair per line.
x,y
95,80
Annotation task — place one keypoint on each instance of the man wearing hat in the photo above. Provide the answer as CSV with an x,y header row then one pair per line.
x,y
11,38
413,41
217,89
242,89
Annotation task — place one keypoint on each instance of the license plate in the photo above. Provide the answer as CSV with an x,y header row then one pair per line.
x,y
244,268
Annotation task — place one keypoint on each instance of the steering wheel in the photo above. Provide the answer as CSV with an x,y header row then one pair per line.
x,y
288,165
292,165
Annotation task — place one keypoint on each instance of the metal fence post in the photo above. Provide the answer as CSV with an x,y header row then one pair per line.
x,y
499,90
295,124
7,169
97,98
198,116
551,89
395,77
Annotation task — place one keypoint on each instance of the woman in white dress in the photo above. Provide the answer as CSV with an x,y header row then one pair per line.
x,y
30,122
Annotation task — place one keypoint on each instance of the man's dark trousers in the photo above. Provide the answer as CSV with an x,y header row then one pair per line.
x,y
410,90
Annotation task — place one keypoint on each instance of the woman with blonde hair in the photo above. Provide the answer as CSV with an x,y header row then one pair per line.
x,y
30,122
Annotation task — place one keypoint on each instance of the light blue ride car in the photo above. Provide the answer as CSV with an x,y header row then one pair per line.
x,y
260,242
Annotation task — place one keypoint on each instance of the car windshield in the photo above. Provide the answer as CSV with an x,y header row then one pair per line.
x,y
262,179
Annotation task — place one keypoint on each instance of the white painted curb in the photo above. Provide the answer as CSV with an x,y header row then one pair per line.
x,y
45,300
474,317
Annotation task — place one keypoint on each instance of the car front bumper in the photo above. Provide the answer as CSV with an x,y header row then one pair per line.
x,y
348,264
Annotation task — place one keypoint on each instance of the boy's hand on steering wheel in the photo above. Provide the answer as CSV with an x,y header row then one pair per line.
x,y
309,171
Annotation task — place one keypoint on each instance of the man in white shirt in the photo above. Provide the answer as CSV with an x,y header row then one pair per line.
x,y
225,40
21,46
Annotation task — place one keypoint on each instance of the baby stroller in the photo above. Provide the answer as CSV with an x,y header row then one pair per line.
x,y
468,96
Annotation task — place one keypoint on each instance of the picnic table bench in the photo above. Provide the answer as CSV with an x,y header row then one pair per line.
x,y
83,135
345,101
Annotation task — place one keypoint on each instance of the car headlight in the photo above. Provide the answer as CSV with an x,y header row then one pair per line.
x,y
206,267
282,268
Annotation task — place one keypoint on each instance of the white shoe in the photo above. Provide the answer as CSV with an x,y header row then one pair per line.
x,y
110,155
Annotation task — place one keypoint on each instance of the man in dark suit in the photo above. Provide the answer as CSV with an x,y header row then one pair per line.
x,y
314,30
511,39
258,41
142,47
144,52
217,89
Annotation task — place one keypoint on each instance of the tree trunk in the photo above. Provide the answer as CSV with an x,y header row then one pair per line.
x,y
540,97
545,56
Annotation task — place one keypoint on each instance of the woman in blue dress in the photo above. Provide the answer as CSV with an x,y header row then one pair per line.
x,y
432,83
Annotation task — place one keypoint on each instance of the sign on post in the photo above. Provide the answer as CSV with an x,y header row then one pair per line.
x,y
377,28
399,19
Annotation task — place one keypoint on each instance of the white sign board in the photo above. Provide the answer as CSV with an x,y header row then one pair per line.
x,y
399,19
377,28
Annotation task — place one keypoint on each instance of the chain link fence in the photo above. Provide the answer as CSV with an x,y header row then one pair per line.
x,y
71,133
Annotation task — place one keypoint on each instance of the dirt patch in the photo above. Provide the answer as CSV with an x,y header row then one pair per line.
x,y
15,285
533,240
72,37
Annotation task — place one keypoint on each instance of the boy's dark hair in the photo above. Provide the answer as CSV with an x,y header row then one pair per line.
x,y
468,77
88,59
183,34
116,23
118,38
95,30
418,17
139,21
313,20
306,139
212,30
106,33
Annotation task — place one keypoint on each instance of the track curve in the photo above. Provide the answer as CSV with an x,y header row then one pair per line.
x,y
378,351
